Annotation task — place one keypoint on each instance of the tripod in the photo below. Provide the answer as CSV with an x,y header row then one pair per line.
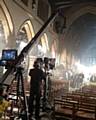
x,y
21,94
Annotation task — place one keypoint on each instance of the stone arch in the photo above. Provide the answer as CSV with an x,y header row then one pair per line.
x,y
6,19
6,29
72,16
28,28
79,12
24,35
6,25
44,44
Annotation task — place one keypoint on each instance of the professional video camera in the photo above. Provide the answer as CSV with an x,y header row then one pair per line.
x,y
8,57
46,63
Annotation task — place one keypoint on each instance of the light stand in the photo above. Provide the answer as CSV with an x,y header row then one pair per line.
x,y
46,90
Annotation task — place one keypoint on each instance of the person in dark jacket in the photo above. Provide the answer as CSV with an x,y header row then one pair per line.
x,y
37,75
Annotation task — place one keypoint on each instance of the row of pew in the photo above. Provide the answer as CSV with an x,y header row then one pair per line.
x,y
77,105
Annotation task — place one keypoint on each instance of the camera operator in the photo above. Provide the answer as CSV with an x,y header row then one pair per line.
x,y
37,76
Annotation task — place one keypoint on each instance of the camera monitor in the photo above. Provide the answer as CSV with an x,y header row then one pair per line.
x,y
9,54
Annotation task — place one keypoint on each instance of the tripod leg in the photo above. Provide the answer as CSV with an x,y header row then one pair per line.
x,y
18,91
25,100
21,97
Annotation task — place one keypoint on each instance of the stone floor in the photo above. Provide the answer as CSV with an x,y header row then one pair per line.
x,y
45,116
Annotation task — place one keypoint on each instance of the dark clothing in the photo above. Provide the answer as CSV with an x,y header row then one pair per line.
x,y
35,90
36,79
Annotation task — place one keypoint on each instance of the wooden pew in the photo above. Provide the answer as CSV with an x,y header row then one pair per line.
x,y
65,109
76,107
86,111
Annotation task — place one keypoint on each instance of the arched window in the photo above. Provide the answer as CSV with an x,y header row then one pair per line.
x,y
6,29
43,46
24,35
2,38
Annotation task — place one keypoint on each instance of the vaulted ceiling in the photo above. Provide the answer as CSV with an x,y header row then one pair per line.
x,y
62,4
81,35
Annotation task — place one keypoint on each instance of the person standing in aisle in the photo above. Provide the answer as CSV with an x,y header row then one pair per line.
x,y
37,76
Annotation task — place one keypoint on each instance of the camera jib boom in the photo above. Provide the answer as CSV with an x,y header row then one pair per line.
x,y
17,62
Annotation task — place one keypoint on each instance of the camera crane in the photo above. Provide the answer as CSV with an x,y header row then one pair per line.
x,y
8,75
26,49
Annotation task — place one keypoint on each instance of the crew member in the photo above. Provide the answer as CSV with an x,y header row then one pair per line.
x,y
37,76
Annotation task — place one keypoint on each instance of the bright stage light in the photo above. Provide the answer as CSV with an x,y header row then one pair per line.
x,y
87,71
